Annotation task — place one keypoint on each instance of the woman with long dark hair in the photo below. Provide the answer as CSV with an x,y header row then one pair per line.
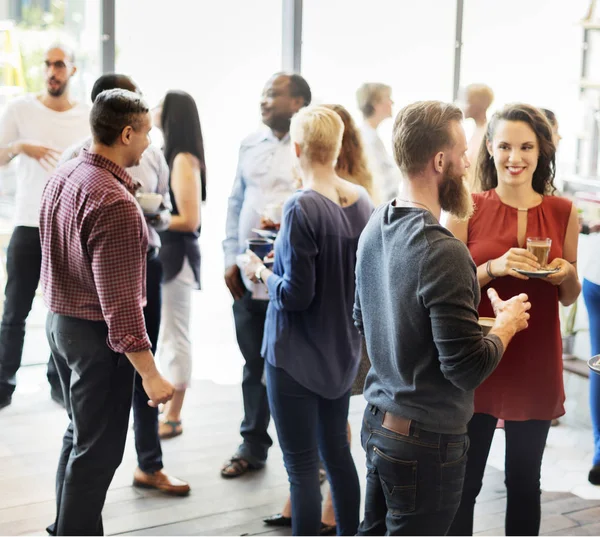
x,y
516,172
178,118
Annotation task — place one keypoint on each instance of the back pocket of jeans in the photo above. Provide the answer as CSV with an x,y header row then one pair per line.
x,y
452,481
398,480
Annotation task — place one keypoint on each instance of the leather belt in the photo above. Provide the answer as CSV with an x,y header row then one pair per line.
x,y
396,424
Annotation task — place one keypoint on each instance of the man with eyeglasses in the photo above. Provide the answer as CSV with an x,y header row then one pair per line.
x,y
36,129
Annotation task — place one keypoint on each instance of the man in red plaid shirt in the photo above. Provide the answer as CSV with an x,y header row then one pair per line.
x,y
94,243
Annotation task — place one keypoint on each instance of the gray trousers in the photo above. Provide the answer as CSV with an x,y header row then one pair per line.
x,y
97,386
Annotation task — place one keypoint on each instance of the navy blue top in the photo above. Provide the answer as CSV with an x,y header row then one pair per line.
x,y
309,331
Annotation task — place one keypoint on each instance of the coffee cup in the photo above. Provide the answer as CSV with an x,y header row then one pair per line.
x,y
149,201
540,248
486,324
261,247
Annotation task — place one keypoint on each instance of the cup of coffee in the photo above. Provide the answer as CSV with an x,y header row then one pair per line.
x,y
486,324
149,201
261,247
540,248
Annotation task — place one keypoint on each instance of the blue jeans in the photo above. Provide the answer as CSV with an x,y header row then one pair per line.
x,y
414,482
591,295
306,425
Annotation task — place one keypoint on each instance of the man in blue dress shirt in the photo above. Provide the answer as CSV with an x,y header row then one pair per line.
x,y
264,176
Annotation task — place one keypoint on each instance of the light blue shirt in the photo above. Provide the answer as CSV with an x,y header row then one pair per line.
x,y
264,175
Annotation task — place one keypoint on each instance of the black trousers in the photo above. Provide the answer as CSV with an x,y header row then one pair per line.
x,y
23,264
145,418
525,443
249,316
97,387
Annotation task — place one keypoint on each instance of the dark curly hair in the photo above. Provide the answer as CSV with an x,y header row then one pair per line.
x,y
543,176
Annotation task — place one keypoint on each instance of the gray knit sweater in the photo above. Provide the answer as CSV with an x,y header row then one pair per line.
x,y
416,304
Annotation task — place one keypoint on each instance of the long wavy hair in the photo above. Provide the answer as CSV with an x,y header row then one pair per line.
x,y
181,128
352,161
543,176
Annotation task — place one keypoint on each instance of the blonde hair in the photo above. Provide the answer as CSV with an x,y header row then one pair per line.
x,y
318,130
368,95
482,93
352,161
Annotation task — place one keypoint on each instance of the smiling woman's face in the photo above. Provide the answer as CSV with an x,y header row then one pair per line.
x,y
516,151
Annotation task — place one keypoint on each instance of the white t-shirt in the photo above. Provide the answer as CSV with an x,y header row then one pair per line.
x,y
386,174
27,119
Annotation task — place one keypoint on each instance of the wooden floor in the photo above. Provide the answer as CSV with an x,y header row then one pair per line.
x,y
31,436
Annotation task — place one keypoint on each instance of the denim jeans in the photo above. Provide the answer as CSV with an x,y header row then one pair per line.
x,y
249,316
97,386
306,425
145,418
525,443
591,295
414,482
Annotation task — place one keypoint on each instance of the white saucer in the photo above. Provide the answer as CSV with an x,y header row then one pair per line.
x,y
536,273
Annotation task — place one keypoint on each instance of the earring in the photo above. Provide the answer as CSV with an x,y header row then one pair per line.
x,y
491,157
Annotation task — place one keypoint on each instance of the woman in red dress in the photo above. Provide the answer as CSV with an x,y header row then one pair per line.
x,y
516,169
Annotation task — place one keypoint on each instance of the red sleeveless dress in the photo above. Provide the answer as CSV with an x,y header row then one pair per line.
x,y
528,383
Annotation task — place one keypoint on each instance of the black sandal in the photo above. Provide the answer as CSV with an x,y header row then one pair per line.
x,y
235,467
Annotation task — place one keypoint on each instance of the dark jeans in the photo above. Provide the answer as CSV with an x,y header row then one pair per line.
x,y
249,316
525,443
306,425
591,295
97,388
145,418
23,264
414,482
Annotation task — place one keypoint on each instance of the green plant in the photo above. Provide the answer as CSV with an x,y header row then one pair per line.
x,y
567,319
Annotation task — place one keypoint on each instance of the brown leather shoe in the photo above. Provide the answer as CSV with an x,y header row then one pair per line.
x,y
160,481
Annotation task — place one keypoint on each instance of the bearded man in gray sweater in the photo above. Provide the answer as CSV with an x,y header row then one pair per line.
x,y
416,304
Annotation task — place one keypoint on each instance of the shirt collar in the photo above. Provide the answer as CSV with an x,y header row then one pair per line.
x,y
268,135
102,162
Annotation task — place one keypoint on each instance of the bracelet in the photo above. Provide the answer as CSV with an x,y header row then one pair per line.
x,y
489,270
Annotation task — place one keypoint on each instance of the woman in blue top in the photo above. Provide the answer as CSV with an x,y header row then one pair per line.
x,y
310,344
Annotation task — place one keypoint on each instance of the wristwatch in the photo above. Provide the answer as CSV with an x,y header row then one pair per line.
x,y
258,272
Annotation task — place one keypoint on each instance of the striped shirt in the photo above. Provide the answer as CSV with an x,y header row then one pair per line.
x,y
94,241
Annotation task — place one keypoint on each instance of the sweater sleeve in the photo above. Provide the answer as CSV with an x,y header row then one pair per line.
x,y
447,288
294,290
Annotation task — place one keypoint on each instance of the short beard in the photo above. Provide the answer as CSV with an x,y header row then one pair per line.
x,y
279,124
454,195
58,91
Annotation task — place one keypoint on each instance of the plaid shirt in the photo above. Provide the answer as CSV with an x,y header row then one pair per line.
x,y
94,241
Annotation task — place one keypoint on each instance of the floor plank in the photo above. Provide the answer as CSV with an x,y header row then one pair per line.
x,y
216,506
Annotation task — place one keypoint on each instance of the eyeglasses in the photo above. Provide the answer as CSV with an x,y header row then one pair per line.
x,y
58,64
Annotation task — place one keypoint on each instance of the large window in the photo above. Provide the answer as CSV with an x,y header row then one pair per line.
x,y
221,52
529,51
405,44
